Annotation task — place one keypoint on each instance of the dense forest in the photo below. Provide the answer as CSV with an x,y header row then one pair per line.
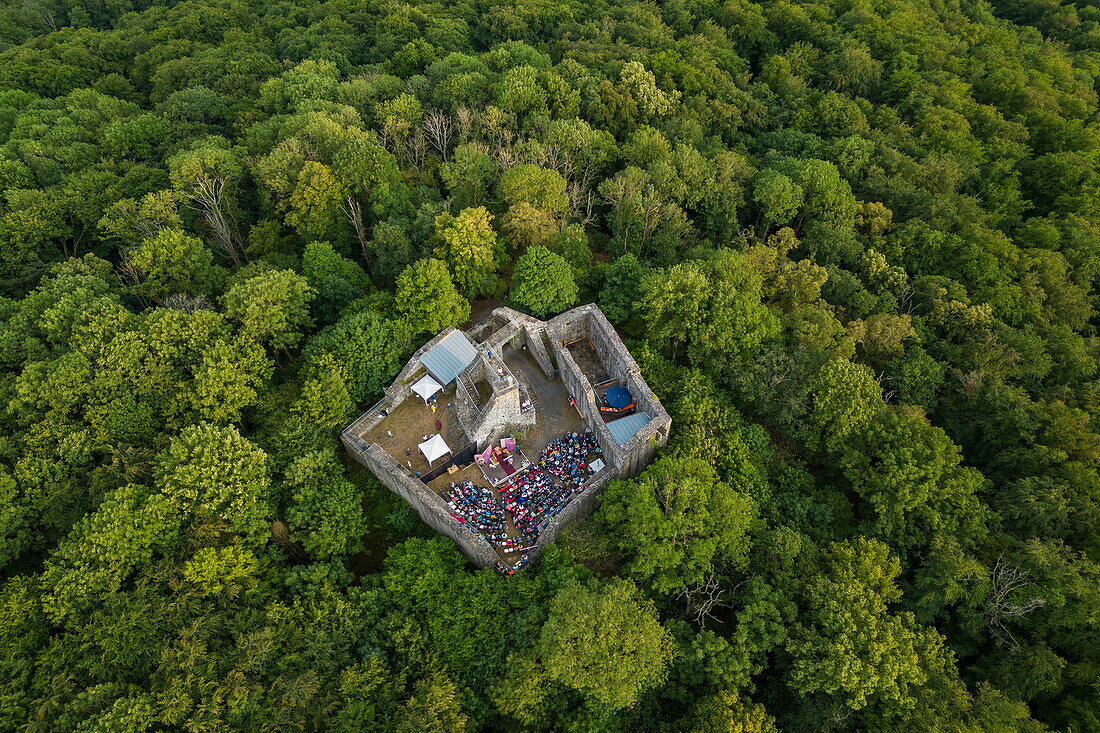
x,y
853,244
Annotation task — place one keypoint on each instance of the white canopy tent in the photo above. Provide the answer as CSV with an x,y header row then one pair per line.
x,y
426,387
434,447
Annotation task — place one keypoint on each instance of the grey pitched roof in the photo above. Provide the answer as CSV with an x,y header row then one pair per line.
x,y
449,357
624,428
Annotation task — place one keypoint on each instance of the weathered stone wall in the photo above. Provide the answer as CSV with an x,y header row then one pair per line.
x,y
613,354
511,315
426,502
581,506
502,416
394,395
590,322
582,391
467,410
536,344
503,335
571,325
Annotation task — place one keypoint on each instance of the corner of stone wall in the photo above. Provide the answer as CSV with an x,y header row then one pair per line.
x,y
428,505
581,507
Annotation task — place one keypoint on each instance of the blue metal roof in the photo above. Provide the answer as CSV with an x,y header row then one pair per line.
x,y
449,357
624,428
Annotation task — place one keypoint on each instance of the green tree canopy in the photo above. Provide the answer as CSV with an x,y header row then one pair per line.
x,y
272,307
677,522
216,481
468,244
326,510
542,282
172,262
428,299
604,642
541,188
848,644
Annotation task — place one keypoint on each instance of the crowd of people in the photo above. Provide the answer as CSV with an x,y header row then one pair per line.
x,y
566,458
529,498
477,507
533,497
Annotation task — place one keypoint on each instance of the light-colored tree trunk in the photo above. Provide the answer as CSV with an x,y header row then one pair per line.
x,y
208,197
353,210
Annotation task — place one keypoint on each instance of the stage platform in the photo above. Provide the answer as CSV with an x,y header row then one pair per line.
x,y
499,474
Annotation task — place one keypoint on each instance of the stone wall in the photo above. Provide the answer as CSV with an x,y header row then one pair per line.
x,y
571,325
590,322
582,391
500,414
428,505
523,330
580,507
616,359
467,410
536,344
503,335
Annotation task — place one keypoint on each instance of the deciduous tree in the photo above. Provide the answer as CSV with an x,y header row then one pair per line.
x,y
272,307
605,642
427,297
542,282
325,510
468,244
677,522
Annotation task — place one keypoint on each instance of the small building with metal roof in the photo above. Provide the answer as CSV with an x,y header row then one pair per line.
x,y
624,428
446,360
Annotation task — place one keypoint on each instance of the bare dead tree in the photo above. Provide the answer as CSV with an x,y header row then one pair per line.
x,y
49,19
838,716
438,128
416,148
464,120
187,303
702,599
353,210
883,382
207,196
145,227
550,156
1007,580
386,141
131,276
503,149
504,155
128,273
906,297
581,201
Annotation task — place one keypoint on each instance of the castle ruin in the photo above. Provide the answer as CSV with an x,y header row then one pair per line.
x,y
514,380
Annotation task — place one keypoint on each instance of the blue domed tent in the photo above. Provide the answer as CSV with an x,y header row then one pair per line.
x,y
618,397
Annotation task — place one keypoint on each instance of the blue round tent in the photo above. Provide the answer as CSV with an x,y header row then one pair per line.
x,y
617,397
